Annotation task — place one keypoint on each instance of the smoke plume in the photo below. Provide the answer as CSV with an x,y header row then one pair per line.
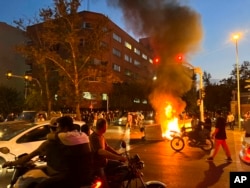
x,y
173,29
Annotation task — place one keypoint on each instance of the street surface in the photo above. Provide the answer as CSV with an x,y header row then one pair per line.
x,y
185,169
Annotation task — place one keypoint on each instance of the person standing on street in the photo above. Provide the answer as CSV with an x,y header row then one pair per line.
x,y
230,120
220,137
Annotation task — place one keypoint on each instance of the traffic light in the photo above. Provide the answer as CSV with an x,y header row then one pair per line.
x,y
156,60
179,58
9,74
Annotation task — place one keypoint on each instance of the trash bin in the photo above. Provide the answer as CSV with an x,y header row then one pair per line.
x,y
153,132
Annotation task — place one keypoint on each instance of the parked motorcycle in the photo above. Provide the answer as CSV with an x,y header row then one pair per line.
x,y
29,174
178,143
133,177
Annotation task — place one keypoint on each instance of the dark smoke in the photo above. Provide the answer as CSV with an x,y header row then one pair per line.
x,y
173,29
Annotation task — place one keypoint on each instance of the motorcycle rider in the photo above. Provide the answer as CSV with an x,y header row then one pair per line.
x,y
68,156
196,128
105,157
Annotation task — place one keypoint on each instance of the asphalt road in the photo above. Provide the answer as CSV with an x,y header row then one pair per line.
x,y
186,169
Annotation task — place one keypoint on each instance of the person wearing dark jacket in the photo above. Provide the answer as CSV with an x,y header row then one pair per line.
x,y
68,156
220,137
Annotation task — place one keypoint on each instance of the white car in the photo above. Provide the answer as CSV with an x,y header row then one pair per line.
x,y
23,137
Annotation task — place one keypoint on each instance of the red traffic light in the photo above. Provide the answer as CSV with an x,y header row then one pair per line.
x,y
179,58
156,60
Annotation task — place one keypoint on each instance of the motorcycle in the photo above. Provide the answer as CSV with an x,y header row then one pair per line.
x,y
29,174
178,143
245,150
131,175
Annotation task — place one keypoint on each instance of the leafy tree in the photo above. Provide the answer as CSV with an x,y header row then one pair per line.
x,y
75,53
11,101
206,78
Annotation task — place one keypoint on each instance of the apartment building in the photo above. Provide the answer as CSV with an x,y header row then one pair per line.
x,y
128,59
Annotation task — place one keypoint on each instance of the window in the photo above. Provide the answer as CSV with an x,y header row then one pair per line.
x,y
116,68
144,56
35,135
137,51
128,72
116,52
128,45
150,60
127,58
117,38
103,44
87,25
136,100
137,63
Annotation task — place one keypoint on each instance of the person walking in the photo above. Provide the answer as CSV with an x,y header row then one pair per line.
x,y
220,137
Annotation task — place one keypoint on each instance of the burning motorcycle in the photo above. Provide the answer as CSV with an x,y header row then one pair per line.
x,y
178,142
29,174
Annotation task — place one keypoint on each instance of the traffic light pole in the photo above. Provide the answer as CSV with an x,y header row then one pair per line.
x,y
198,70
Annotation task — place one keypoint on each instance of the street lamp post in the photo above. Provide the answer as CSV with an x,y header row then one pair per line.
x,y
236,37
26,77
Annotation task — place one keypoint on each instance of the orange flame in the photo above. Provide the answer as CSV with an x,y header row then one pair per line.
x,y
172,123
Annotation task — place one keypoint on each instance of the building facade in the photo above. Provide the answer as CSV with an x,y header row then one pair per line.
x,y
127,59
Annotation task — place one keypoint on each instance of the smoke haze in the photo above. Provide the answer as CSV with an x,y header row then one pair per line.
x,y
173,29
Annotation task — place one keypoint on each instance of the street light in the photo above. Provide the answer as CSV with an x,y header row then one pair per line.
x,y
30,78
236,37
9,75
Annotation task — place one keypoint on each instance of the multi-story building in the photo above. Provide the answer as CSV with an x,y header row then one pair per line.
x,y
127,59
130,60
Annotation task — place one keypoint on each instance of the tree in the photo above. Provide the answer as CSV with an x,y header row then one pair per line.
x,y
11,101
74,51
206,78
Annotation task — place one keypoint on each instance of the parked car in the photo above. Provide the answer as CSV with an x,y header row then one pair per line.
x,y
23,137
